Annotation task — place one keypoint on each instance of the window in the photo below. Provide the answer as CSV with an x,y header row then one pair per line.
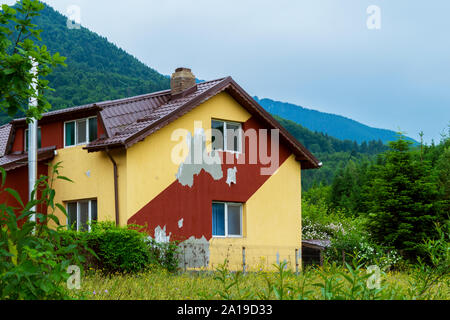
x,y
226,219
80,213
80,131
226,136
38,137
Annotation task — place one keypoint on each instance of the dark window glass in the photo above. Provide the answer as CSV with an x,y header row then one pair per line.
x,y
217,128
218,219
84,215
234,220
92,129
70,133
81,131
233,138
94,210
72,215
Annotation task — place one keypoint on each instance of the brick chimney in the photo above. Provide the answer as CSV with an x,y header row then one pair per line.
x,y
182,79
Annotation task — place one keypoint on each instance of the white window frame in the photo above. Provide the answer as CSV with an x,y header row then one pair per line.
x,y
225,141
76,132
25,139
241,207
78,212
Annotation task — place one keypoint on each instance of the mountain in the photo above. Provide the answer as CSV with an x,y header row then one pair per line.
x,y
97,70
335,154
334,125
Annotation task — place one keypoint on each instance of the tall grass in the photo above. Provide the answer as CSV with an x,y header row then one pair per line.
x,y
330,282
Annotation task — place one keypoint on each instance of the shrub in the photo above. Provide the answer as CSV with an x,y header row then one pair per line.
x,y
34,257
119,249
124,249
165,255
356,245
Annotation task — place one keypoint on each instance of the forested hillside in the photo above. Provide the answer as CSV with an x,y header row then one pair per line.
x,y
332,152
97,70
331,124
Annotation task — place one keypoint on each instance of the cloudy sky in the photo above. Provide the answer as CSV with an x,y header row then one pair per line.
x,y
316,53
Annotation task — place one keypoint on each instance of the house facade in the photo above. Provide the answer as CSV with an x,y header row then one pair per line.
x,y
201,163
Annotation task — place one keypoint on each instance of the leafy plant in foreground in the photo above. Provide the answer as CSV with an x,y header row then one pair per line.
x,y
33,257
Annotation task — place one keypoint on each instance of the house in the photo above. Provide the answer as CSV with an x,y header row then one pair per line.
x,y
200,163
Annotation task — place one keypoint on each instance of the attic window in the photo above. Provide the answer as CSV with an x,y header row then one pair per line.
x,y
79,132
226,136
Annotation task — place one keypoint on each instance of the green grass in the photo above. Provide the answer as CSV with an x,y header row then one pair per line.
x,y
329,282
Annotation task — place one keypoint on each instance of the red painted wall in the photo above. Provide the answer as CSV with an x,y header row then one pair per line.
x,y
17,180
194,205
52,134
19,141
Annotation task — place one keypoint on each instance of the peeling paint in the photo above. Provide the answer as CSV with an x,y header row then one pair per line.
x,y
161,236
194,253
198,159
180,223
231,176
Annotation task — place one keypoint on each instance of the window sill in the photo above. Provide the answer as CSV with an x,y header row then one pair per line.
x,y
228,237
229,151
76,145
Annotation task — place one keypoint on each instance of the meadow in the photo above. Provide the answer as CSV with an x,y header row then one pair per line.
x,y
330,282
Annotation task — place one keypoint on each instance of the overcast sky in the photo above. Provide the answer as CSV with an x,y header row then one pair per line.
x,y
317,53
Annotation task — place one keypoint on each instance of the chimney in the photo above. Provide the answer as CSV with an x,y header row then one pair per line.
x,y
182,79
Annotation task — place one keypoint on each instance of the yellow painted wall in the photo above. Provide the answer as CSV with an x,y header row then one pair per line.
x,y
76,163
271,221
272,216
150,169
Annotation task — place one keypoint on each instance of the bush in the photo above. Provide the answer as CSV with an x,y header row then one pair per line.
x,y
356,245
124,249
34,257
165,255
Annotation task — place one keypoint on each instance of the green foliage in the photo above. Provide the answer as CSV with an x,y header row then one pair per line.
x,y
330,282
319,220
120,249
17,33
124,249
33,256
335,154
404,200
97,70
165,255
434,271
356,244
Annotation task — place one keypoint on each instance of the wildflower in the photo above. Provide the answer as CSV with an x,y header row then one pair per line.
x,y
94,292
106,291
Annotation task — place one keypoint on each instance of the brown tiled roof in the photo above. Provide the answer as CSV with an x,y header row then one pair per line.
x,y
130,120
14,161
5,136
127,119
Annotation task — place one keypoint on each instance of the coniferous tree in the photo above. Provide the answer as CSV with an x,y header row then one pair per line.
x,y
404,200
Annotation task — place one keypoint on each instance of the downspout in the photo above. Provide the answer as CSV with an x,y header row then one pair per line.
x,y
116,186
